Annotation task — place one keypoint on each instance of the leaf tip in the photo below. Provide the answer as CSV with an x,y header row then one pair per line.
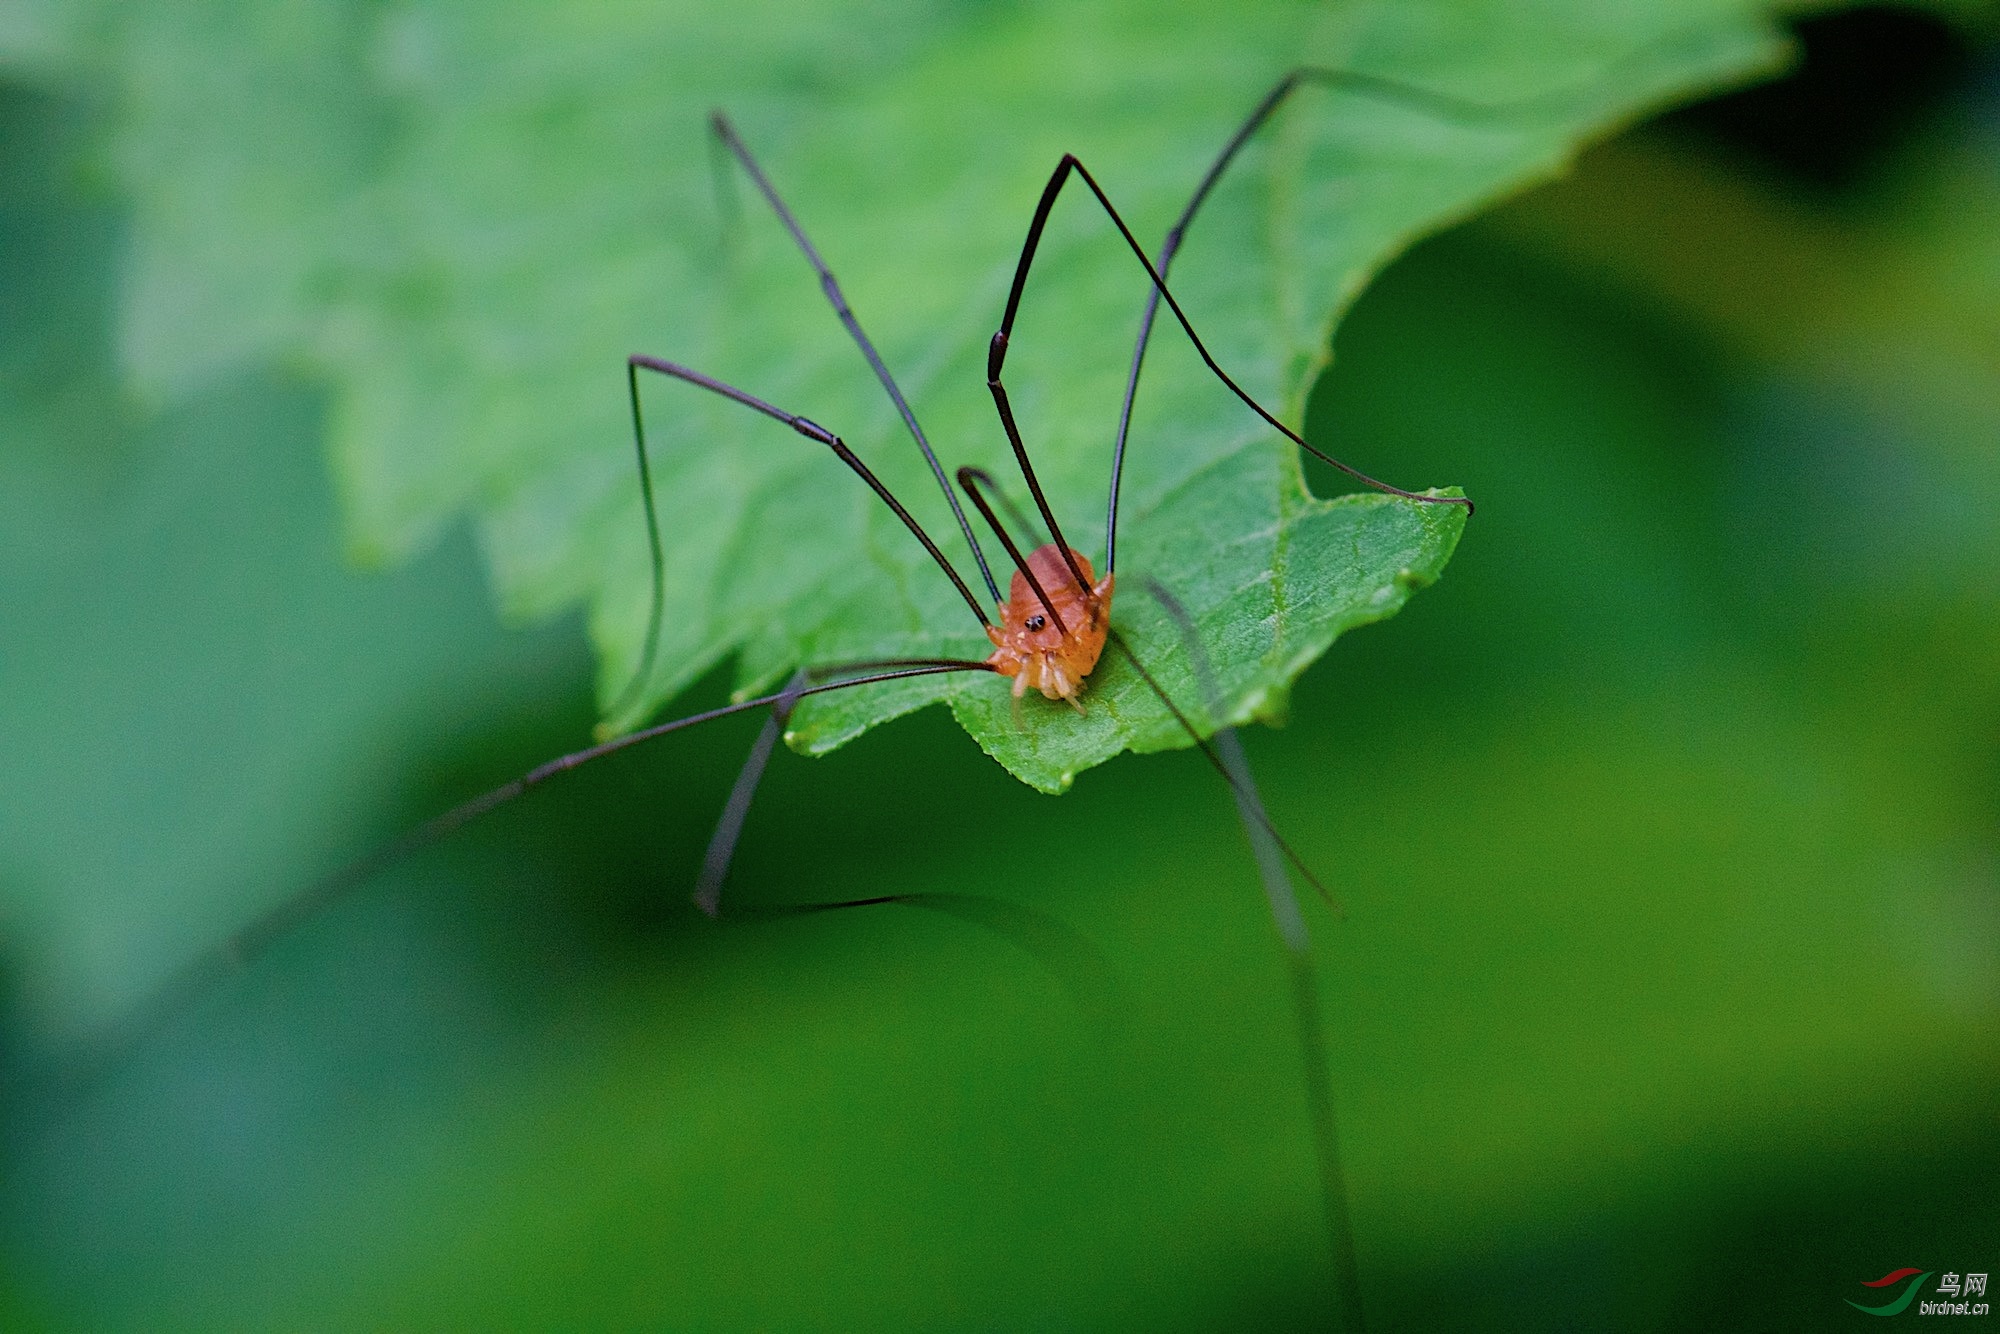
x,y
1269,705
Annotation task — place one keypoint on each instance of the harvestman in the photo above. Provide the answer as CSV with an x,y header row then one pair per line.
x,y
1055,620
1050,630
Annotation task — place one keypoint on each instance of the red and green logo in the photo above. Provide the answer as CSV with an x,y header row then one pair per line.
x,y
1916,1278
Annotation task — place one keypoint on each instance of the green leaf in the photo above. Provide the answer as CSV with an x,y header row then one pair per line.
x,y
467,216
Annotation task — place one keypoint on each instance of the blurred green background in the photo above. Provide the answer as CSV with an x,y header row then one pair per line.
x,y
1668,825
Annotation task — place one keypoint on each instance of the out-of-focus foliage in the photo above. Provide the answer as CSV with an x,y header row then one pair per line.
x,y
466,216
1667,993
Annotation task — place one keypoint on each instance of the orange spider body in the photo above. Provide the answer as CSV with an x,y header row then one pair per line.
x,y
1028,644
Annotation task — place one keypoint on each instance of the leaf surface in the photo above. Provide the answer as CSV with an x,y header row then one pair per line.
x,y
467,215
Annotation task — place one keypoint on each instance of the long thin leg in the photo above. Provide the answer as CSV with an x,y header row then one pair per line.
x,y
806,427
729,827
251,941
996,355
1217,763
973,479
656,608
1436,104
1270,853
1020,520
1075,962
726,134
726,139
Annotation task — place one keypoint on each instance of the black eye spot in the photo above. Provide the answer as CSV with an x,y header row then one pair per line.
x,y
1037,621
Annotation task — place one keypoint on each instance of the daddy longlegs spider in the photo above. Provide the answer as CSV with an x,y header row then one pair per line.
x,y
1048,632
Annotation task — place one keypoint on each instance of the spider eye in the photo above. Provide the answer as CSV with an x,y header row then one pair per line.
x,y
1037,621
